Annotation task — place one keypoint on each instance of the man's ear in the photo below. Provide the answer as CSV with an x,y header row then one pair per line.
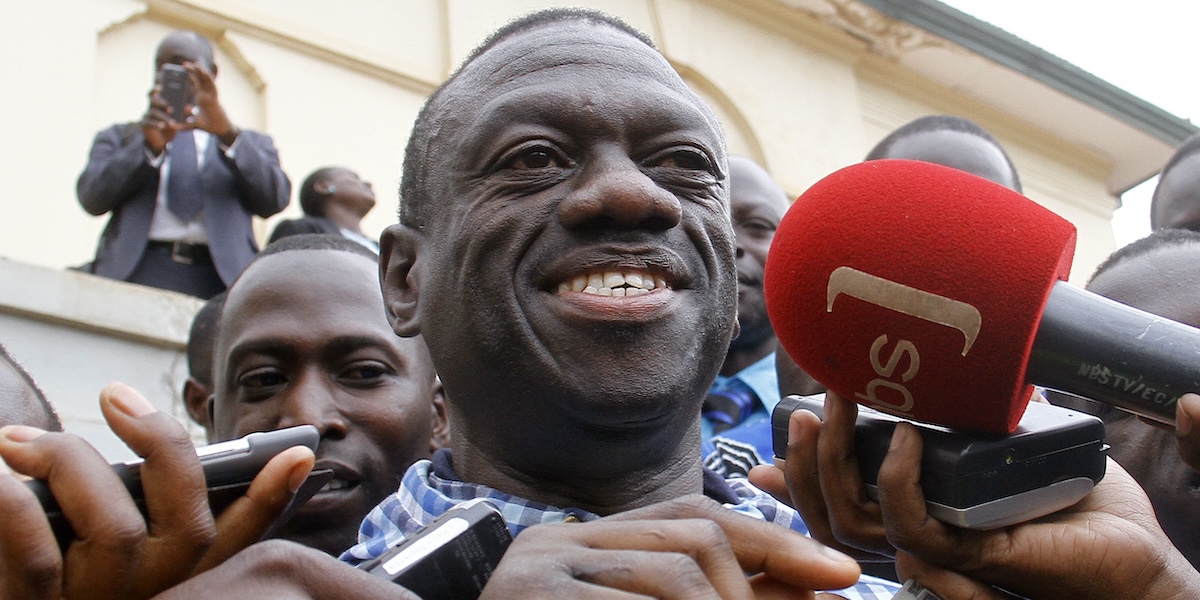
x,y
440,432
211,426
399,251
195,400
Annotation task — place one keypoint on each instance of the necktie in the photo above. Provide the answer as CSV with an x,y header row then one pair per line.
x,y
729,405
183,182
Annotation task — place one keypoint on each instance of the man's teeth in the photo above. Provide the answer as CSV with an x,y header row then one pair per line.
x,y
613,283
335,484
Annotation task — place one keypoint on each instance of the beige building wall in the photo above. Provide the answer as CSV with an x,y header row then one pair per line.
x,y
340,83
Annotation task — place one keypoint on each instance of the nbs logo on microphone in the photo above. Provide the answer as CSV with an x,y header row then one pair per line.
x,y
916,288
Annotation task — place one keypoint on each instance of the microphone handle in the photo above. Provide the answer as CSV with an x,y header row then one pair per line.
x,y
1097,348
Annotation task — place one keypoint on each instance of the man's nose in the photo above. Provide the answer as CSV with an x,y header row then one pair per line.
x,y
614,192
311,402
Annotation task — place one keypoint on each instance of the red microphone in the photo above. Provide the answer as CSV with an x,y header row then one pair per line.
x,y
919,290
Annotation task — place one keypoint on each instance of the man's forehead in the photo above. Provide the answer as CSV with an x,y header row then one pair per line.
x,y
286,275
564,45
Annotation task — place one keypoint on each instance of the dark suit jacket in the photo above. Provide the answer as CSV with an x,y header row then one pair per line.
x,y
119,179
305,224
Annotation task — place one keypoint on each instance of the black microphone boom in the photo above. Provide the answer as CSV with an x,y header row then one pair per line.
x,y
1097,348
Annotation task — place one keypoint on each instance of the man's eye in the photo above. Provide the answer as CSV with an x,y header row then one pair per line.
x,y
365,371
261,379
538,157
686,159
758,226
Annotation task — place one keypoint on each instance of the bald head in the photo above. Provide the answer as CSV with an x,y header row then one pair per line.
x,y
950,141
754,185
185,46
1176,201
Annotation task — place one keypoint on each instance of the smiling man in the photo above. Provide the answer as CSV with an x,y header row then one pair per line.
x,y
303,339
565,249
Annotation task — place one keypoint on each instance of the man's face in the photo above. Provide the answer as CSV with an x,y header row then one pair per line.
x,y
304,340
576,274
959,150
351,191
1177,197
757,206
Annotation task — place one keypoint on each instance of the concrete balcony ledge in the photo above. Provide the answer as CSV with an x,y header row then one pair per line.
x,y
75,332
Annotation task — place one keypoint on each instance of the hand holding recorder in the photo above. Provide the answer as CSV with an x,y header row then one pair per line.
x,y
117,552
1108,545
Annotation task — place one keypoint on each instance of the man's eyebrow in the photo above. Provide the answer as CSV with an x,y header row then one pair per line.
x,y
344,344
269,346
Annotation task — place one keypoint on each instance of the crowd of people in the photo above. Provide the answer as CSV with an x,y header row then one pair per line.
x,y
567,321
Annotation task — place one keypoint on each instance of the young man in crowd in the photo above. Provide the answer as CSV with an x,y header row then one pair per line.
x,y
303,340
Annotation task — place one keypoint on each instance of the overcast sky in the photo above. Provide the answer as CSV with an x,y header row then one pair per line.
x,y
1143,47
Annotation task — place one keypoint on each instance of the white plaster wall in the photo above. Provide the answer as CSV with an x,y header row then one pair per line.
x,y
75,333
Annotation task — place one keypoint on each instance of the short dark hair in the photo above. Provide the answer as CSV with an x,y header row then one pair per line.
x,y
53,422
1189,147
413,188
312,202
1161,238
202,337
941,123
316,241
205,46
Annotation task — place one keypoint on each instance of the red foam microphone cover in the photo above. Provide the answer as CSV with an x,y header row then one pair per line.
x,y
917,289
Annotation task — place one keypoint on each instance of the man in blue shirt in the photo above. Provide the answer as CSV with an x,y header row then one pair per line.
x,y
738,407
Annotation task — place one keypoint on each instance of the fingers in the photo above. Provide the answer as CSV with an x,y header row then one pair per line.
x,y
902,502
29,554
945,583
180,522
279,569
663,558
854,518
202,80
771,480
802,475
109,530
249,517
1187,416
760,546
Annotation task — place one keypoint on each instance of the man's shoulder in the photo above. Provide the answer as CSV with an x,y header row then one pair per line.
x,y
122,131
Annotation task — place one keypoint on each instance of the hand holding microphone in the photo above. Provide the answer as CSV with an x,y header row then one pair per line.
x,y
918,290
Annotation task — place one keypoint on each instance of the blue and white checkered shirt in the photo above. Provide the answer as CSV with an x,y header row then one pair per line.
x,y
430,488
